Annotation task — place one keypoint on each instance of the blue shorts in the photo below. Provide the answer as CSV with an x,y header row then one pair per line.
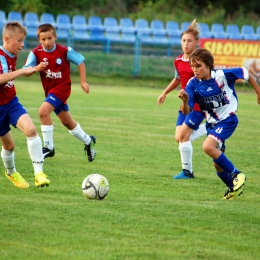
x,y
57,103
222,130
194,119
180,119
10,114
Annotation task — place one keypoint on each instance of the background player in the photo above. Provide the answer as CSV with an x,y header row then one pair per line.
x,y
183,72
53,62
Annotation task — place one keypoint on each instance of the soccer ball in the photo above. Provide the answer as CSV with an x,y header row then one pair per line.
x,y
95,186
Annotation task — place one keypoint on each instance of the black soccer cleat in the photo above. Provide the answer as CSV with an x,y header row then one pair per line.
x,y
47,152
89,148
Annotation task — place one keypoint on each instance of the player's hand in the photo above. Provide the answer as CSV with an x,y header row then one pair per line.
x,y
161,99
183,95
41,66
85,87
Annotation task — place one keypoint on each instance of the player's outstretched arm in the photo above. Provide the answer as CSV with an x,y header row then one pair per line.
x,y
82,74
15,74
173,85
254,84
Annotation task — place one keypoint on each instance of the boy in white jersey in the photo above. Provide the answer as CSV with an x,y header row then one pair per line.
x,y
13,113
213,91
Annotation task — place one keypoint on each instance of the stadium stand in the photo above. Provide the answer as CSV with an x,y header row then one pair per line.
x,y
64,26
248,32
233,32
205,30
173,32
48,18
31,21
3,20
15,16
218,31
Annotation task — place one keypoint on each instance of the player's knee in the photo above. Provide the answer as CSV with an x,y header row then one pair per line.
x,y
30,131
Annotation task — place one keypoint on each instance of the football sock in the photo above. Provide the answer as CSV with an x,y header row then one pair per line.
x,y
35,151
224,163
8,160
80,134
198,133
47,135
186,150
226,178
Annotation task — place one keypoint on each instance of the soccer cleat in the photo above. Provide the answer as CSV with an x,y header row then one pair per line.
x,y
239,180
41,180
89,149
47,152
230,195
184,174
17,179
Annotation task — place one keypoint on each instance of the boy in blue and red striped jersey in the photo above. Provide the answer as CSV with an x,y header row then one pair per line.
x,y
53,62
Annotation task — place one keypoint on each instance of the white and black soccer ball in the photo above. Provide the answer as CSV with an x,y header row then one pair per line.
x,y
95,186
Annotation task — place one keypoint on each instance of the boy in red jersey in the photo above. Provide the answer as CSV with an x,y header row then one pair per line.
x,y
183,73
53,62
13,113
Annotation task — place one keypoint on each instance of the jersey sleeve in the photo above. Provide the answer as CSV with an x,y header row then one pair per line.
x,y
236,73
30,61
74,57
3,65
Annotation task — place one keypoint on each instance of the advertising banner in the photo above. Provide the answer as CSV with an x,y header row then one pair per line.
x,y
235,53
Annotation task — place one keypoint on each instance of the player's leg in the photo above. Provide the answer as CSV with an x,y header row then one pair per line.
x,y
46,124
34,145
191,122
76,131
8,157
198,133
226,171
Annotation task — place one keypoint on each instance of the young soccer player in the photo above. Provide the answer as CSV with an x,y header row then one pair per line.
x,y
214,92
53,63
183,72
13,113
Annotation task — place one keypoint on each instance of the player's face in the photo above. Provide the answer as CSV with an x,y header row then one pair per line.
x,y
14,43
188,43
200,70
47,39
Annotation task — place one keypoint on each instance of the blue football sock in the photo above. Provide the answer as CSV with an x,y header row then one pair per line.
x,y
226,178
224,163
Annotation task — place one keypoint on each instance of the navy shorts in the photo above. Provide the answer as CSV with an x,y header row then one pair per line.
x,y
57,103
10,114
223,129
180,119
194,119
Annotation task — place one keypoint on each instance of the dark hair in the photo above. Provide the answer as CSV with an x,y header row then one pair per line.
x,y
202,55
45,28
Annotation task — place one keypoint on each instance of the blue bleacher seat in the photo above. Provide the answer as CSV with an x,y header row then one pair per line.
x,y
79,22
157,25
205,30
48,18
218,31
184,26
248,32
142,26
258,31
112,29
64,26
31,21
111,22
15,16
95,22
233,32
3,20
128,31
173,32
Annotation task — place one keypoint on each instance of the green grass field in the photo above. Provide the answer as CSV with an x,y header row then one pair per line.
x,y
147,214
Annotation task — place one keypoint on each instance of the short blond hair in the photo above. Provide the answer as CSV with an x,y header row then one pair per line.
x,y
11,28
193,29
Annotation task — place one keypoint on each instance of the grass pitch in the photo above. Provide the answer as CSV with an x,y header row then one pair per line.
x,y
147,214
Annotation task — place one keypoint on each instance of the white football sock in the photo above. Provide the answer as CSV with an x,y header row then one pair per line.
x,y
47,135
35,151
80,134
198,133
186,151
8,160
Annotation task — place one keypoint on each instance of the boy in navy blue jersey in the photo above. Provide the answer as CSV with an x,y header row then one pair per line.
x,y
213,92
